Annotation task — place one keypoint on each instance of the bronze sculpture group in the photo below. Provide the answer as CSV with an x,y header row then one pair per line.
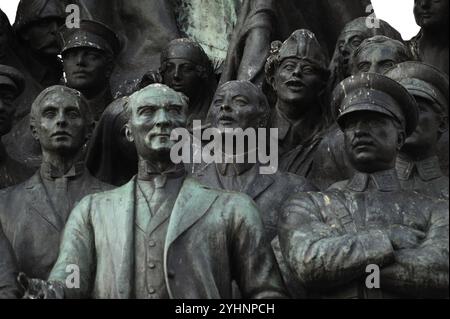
x,y
88,180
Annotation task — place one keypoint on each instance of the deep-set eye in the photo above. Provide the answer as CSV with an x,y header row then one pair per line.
x,y
218,102
49,113
174,110
240,101
356,43
74,114
364,66
307,69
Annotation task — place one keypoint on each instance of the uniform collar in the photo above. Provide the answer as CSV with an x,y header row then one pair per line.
x,y
50,172
383,181
427,169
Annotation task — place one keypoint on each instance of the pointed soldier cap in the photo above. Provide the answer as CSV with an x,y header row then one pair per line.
x,y
303,44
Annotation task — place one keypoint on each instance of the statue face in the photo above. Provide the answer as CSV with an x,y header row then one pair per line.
x,y
6,109
298,82
87,69
429,128
182,76
154,114
431,13
347,44
372,141
41,36
376,58
235,106
61,126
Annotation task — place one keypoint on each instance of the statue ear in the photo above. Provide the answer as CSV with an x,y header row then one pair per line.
x,y
90,130
129,133
401,139
443,126
34,131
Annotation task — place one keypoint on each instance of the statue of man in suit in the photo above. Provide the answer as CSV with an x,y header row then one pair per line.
x,y
241,104
34,213
163,235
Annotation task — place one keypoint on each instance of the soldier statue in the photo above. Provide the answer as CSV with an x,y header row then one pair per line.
x,y
9,288
418,165
329,239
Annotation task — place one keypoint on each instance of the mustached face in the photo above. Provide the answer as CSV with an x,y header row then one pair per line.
x,y
372,141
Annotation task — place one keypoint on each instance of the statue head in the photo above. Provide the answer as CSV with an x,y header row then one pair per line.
x,y
432,14
88,56
351,37
185,67
11,86
61,121
37,24
378,54
430,87
239,104
297,69
376,115
154,112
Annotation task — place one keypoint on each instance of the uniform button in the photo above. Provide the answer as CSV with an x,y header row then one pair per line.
x,y
151,265
171,274
151,291
151,243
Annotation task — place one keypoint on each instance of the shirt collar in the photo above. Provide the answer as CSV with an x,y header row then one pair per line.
x,y
383,181
427,169
150,172
50,172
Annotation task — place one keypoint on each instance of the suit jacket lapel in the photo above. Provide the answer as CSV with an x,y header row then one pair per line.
x,y
192,203
41,204
259,185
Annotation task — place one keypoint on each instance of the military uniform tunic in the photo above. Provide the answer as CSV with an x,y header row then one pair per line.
x,y
424,177
329,238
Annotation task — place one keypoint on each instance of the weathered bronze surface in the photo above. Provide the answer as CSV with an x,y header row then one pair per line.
x,y
33,214
327,239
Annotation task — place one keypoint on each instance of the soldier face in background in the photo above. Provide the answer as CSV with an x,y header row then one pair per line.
x,y
431,125
41,36
60,124
7,96
87,69
376,58
299,82
372,141
431,14
347,44
154,112
237,104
